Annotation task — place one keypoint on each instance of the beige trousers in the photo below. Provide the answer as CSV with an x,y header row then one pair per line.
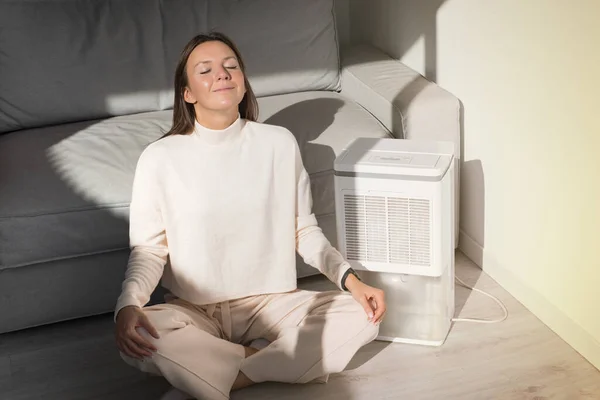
x,y
200,350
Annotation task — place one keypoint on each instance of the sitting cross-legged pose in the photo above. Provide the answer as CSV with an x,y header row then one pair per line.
x,y
227,202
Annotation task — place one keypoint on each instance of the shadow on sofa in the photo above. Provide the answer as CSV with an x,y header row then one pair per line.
x,y
307,120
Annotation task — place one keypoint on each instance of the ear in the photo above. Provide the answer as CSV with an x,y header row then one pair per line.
x,y
188,96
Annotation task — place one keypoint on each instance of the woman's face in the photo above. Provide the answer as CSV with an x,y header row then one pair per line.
x,y
215,80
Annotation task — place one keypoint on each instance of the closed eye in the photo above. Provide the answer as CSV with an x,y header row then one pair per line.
x,y
228,67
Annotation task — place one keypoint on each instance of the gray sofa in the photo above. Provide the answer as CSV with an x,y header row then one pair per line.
x,y
84,86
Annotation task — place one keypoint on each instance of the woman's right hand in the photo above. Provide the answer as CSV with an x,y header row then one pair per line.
x,y
129,341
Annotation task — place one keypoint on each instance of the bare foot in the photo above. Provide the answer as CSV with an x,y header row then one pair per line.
x,y
250,351
242,381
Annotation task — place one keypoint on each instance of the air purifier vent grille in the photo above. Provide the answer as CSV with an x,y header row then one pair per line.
x,y
388,229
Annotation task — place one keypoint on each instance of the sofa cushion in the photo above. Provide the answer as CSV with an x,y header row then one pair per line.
x,y
287,46
65,61
68,190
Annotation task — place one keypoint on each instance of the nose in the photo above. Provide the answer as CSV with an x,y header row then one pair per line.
x,y
223,74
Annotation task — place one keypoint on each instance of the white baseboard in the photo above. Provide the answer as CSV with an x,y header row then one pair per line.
x,y
470,248
571,332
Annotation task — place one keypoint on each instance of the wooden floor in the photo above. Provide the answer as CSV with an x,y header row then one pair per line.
x,y
519,358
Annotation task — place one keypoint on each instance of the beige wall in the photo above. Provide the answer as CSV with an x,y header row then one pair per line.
x,y
528,75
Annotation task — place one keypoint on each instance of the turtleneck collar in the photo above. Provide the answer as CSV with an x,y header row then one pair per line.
x,y
219,136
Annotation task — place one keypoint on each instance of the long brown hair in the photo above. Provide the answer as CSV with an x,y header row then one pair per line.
x,y
183,112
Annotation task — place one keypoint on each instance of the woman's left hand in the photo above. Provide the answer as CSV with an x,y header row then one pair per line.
x,y
372,299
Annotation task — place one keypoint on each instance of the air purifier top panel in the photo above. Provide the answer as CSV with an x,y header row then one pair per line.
x,y
408,158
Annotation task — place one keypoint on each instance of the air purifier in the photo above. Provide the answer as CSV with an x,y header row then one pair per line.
x,y
395,226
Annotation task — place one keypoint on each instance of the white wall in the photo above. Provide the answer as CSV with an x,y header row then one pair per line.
x,y
527,73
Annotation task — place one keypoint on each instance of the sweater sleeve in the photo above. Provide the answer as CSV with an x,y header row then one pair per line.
x,y
147,237
311,244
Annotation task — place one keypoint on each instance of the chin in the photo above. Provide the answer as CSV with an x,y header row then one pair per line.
x,y
226,105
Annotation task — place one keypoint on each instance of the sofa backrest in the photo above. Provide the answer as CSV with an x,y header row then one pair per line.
x,y
64,61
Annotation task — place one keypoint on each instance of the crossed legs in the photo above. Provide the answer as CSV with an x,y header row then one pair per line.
x,y
312,335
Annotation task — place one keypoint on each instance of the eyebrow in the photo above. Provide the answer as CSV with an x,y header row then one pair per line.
x,y
209,61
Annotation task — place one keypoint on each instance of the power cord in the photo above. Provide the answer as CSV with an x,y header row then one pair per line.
x,y
482,321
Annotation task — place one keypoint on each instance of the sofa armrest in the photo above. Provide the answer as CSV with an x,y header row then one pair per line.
x,y
405,102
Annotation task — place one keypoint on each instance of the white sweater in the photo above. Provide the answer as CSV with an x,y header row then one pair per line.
x,y
228,209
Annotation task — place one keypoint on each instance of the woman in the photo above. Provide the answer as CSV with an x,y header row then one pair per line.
x,y
228,201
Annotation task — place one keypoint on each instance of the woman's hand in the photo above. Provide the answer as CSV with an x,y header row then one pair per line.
x,y
372,299
129,341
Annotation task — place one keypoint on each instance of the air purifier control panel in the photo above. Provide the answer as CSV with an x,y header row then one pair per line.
x,y
400,159
415,160
386,156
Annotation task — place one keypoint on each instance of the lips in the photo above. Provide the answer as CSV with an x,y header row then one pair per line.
x,y
224,89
